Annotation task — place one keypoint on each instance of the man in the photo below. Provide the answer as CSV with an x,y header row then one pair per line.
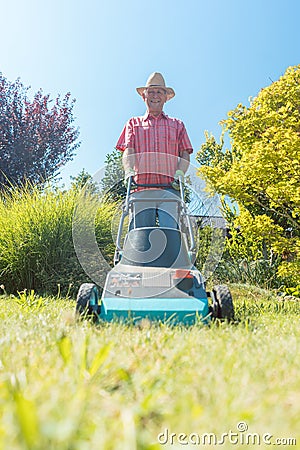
x,y
156,151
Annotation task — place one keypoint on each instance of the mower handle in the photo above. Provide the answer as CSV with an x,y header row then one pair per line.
x,y
131,182
151,185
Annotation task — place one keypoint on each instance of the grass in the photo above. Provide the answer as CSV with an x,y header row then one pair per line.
x,y
36,242
73,386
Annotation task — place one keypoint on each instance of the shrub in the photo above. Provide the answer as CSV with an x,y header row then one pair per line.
x,y
36,245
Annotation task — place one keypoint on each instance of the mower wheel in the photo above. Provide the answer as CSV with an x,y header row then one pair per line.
x,y
223,305
87,306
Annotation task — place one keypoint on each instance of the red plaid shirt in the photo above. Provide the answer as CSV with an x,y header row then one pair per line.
x,y
158,143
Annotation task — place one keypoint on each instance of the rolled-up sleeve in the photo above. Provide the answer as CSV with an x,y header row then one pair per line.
x,y
126,139
184,143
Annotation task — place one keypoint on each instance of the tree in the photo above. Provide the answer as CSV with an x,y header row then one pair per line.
x,y
261,171
112,183
36,136
85,181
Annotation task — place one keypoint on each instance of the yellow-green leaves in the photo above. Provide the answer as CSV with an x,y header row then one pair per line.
x,y
73,357
99,359
261,171
65,348
25,411
27,418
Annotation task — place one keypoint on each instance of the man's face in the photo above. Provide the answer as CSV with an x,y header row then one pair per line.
x,y
155,98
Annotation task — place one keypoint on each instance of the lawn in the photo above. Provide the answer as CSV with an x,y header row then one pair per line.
x,y
66,385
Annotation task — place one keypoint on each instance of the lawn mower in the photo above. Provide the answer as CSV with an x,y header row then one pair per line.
x,y
154,275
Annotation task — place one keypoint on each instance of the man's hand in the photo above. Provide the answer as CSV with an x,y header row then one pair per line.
x,y
129,172
179,174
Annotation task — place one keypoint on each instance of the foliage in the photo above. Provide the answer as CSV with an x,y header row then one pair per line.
x,y
112,183
36,139
204,237
36,245
261,171
67,385
84,180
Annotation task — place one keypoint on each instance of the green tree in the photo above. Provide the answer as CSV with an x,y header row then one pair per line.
x,y
112,184
84,180
261,170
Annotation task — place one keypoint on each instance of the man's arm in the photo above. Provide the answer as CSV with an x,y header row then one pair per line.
x,y
128,158
128,161
184,161
182,167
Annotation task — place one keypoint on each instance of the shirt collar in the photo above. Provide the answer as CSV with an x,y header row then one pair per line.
x,y
147,116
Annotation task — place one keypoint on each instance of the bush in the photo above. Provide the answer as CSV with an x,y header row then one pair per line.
x,y
261,272
36,244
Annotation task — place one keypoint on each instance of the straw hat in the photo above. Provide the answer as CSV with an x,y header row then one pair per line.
x,y
157,80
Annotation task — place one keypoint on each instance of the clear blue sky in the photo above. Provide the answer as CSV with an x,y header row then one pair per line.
x,y
214,53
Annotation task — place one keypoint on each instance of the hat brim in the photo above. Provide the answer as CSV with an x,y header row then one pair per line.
x,y
170,91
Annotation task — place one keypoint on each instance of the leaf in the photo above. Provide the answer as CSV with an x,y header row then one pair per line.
x,y
27,418
65,347
83,356
99,359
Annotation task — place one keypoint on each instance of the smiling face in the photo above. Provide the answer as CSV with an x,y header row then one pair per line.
x,y
155,98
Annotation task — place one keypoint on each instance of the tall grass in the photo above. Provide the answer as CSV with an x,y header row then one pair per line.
x,y
237,266
260,272
36,246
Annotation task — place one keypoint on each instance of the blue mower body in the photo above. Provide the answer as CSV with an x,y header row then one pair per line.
x,y
155,278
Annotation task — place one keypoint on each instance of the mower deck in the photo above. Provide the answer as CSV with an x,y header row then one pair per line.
x,y
164,294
